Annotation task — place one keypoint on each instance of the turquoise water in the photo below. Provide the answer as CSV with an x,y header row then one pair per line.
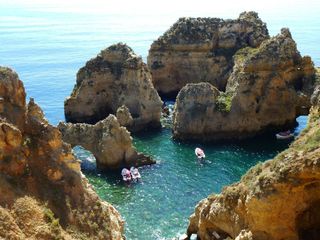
x,y
159,206
47,42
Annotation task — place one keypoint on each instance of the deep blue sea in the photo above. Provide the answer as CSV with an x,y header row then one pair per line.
x,y
46,42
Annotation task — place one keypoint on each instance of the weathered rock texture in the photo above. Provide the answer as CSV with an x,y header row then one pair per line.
x,y
116,77
43,194
197,50
124,116
268,88
277,199
110,143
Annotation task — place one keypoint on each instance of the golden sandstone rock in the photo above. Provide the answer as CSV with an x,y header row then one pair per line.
x,y
267,89
124,116
116,77
110,143
277,199
35,162
198,50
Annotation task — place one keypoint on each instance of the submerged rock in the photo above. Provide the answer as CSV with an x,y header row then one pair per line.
x,y
110,143
116,77
197,50
268,88
277,199
43,194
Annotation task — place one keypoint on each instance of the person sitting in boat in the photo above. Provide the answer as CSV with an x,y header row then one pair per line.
x,y
199,153
126,175
135,174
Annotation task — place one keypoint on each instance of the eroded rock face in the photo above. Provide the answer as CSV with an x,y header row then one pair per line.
x,y
116,77
197,50
35,162
315,98
12,97
124,116
110,143
278,199
268,88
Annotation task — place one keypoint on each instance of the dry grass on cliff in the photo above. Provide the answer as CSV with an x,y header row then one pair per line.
x,y
8,227
28,219
94,220
312,142
36,220
309,138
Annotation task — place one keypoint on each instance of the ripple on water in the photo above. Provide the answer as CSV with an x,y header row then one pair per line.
x,y
159,206
48,47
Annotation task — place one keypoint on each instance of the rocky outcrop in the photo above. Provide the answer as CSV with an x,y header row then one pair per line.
x,y
116,77
12,97
277,199
124,116
43,194
268,88
197,50
110,143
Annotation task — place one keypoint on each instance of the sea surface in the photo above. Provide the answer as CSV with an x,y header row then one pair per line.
x,y
46,42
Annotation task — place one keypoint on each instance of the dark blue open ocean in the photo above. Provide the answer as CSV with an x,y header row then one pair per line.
x,y
47,42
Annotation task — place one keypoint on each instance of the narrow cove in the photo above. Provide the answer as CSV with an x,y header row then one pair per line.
x,y
159,207
47,43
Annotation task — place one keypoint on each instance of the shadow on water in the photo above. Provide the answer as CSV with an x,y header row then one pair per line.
x,y
160,205
266,142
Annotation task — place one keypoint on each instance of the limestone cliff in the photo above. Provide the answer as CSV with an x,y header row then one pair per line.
x,y
110,143
277,199
268,88
197,50
116,77
43,194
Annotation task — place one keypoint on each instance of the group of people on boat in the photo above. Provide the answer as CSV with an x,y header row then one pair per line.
x,y
130,175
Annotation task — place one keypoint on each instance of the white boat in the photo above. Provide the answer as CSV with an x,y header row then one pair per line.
x,y
126,176
199,153
135,173
284,135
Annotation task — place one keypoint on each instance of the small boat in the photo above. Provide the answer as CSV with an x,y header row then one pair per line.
x,y
126,176
135,173
199,153
284,135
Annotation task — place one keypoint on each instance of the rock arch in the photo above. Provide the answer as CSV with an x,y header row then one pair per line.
x,y
110,143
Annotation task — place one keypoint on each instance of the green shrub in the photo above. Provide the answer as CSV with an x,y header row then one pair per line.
x,y
313,141
244,53
49,215
224,102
